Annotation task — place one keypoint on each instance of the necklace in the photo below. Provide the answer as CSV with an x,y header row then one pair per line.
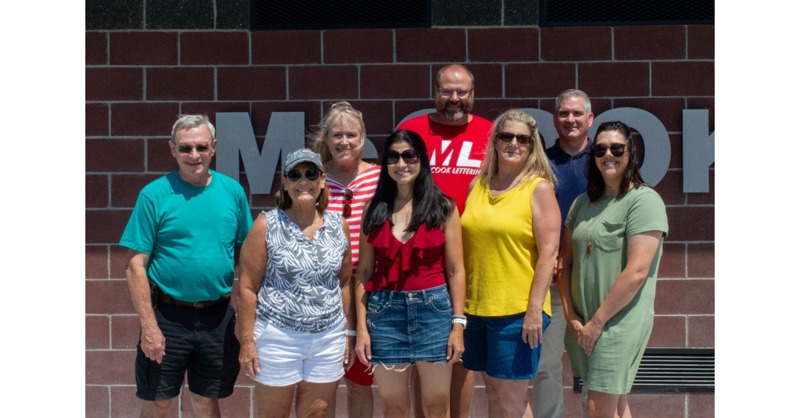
x,y
593,226
400,219
401,210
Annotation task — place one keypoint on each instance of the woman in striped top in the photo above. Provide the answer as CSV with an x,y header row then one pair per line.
x,y
351,183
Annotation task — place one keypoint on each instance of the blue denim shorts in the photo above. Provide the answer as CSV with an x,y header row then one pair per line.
x,y
494,345
408,327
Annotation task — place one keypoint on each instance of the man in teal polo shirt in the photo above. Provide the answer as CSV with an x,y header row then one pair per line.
x,y
183,239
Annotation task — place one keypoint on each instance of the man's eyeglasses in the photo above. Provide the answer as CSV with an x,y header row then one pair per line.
x,y
348,197
508,137
449,92
409,156
617,150
295,174
187,149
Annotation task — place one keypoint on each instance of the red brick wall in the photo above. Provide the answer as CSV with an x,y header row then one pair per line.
x,y
138,82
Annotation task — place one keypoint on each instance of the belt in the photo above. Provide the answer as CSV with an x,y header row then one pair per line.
x,y
195,305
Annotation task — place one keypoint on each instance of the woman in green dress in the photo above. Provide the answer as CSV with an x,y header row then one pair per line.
x,y
610,255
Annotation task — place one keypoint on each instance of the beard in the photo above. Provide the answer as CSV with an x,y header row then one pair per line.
x,y
455,115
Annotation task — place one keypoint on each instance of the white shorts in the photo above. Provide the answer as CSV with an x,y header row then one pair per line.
x,y
287,357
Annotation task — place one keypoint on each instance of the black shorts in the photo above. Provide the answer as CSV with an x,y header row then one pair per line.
x,y
201,344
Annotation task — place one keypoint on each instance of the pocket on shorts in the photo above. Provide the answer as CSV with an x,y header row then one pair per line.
x,y
377,305
259,327
441,304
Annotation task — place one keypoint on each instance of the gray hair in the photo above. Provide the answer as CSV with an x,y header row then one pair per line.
x,y
587,104
193,121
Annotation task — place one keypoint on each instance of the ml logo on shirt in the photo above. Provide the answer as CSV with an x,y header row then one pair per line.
x,y
442,159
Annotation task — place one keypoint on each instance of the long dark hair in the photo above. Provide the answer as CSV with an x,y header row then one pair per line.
x,y
630,177
430,206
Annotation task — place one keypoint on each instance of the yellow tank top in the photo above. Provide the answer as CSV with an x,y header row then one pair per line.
x,y
500,251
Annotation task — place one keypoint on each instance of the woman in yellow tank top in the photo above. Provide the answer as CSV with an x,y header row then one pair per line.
x,y
511,225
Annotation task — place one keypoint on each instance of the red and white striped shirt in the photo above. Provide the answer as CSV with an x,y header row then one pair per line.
x,y
362,188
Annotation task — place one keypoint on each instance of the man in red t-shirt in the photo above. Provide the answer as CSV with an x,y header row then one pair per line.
x,y
456,141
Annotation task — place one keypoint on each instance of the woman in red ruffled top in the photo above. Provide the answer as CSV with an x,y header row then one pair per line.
x,y
410,292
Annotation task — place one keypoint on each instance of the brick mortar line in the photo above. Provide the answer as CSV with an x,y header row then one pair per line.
x,y
403,63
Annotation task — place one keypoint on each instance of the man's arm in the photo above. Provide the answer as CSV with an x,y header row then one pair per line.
x,y
152,340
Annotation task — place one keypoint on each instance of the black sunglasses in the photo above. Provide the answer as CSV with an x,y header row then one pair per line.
x,y
187,149
617,150
508,137
409,156
311,174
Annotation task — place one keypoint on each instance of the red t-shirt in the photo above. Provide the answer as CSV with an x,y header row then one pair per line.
x,y
456,152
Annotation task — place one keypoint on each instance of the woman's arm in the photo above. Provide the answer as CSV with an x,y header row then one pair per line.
x,y
574,320
346,287
345,277
366,268
456,282
546,228
642,249
253,263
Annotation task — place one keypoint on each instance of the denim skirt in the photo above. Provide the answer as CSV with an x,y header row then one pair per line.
x,y
407,327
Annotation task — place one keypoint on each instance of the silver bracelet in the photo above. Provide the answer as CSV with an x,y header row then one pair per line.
x,y
350,332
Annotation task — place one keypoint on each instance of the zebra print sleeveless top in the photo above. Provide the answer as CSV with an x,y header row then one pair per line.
x,y
300,291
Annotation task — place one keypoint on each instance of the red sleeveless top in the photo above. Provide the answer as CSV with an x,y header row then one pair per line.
x,y
416,264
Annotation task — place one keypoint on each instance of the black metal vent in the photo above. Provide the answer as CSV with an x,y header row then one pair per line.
x,y
625,12
672,370
315,14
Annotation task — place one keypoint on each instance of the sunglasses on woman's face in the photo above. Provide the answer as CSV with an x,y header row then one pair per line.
x,y
599,150
508,137
295,174
409,156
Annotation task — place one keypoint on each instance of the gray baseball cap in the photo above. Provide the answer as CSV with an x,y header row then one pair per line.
x,y
303,155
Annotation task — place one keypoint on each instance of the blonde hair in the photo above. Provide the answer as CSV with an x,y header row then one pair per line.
x,y
537,164
338,109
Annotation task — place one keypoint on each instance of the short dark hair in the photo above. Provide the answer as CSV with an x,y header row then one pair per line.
x,y
631,176
587,103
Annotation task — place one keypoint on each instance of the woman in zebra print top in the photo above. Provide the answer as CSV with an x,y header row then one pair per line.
x,y
295,263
